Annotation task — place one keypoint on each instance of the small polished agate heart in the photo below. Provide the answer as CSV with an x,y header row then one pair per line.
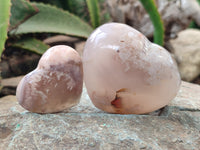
x,y
125,73
56,83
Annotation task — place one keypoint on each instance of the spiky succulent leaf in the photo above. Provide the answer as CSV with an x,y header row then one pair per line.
x,y
31,44
155,17
21,10
4,22
94,12
54,20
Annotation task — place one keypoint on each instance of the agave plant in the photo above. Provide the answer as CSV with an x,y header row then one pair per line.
x,y
20,17
23,17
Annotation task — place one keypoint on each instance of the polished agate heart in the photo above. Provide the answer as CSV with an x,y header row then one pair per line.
x,y
125,73
56,83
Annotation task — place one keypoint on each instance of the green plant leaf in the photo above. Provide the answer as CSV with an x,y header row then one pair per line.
x,y
198,1
56,3
4,22
21,10
31,44
193,24
151,8
54,20
94,12
77,7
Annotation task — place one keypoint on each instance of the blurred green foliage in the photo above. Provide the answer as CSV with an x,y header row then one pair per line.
x,y
50,19
72,17
46,16
4,21
155,17
93,9
193,24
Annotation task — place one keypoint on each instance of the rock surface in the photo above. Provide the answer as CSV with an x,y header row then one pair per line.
x,y
9,86
86,127
11,81
79,46
16,62
187,53
176,14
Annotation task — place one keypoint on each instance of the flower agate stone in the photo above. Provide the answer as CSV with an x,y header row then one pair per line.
x,y
56,83
125,73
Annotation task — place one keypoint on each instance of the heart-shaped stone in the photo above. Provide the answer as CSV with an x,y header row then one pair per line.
x,y
56,83
125,73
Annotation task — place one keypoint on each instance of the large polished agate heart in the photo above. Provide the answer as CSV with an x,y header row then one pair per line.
x,y
56,83
125,73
